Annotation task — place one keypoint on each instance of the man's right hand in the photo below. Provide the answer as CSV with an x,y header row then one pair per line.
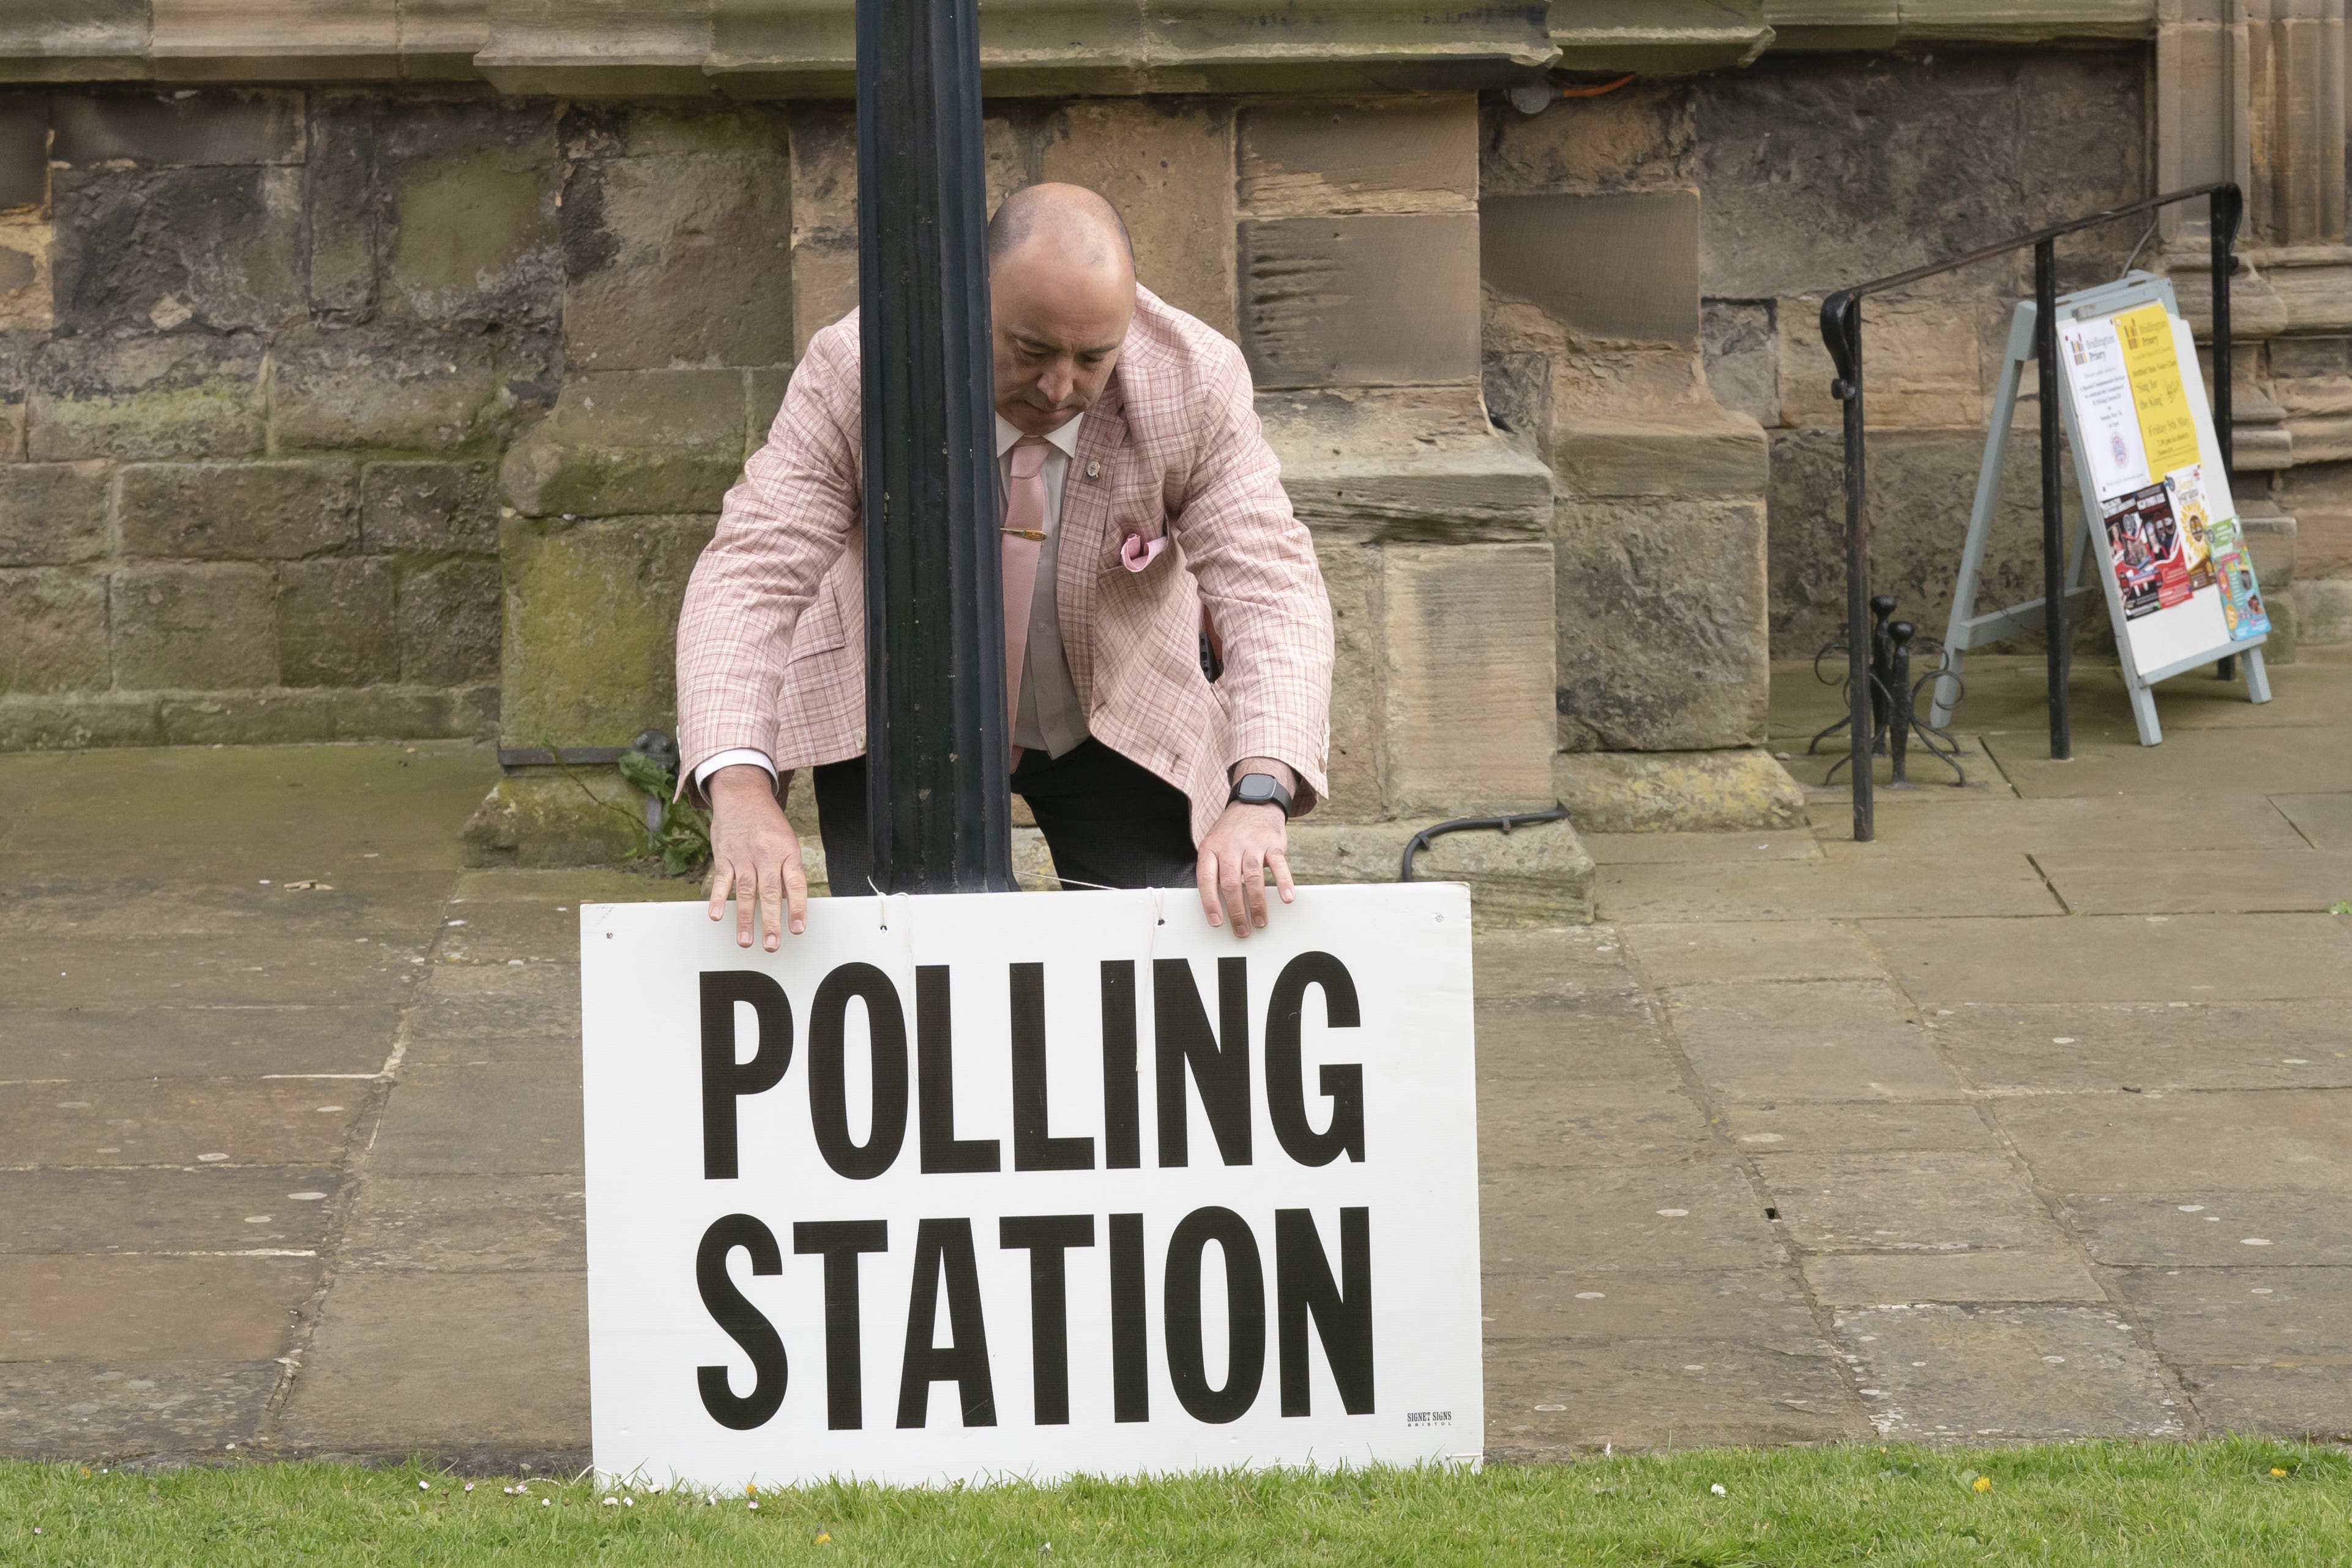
x,y
755,855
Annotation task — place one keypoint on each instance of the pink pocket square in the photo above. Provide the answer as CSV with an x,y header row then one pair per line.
x,y
1135,553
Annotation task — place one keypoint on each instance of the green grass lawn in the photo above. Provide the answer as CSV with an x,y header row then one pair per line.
x,y
2239,1500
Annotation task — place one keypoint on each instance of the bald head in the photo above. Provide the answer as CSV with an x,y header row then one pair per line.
x,y
1061,285
1078,226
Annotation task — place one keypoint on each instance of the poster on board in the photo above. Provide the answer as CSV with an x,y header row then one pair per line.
x,y
2183,580
996,1186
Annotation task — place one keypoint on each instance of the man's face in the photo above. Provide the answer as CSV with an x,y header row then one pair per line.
x,y
1057,326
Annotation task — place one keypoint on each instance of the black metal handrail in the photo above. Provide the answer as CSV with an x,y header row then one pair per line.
x,y
1842,331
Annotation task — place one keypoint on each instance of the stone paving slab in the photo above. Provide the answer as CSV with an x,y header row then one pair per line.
x,y
1548,1400
1847,1126
1807,1040
201,972
2051,1273
468,1224
2324,819
1762,1307
1703,1217
2118,958
2208,1227
408,1359
1792,889
108,1408
2243,1317
1939,1201
101,1043
123,1308
2189,762
1909,827
211,1209
2290,1140
498,1118
1682,848
176,1122
1701,952
392,909
2041,1046
1941,1373
2199,881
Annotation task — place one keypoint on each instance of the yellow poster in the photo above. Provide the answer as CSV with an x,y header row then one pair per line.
x,y
2167,428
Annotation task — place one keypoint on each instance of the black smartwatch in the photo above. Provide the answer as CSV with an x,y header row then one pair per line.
x,y
1260,789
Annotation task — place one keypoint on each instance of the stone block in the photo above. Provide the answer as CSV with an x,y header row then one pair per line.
x,y
193,628
24,150
52,514
2323,611
589,655
824,218
155,249
1687,449
75,39
346,211
1635,277
12,427
429,506
385,387
448,622
1360,300
1662,641
335,623
1168,165
238,126
1920,362
1467,665
682,257
1819,174
1742,353
1677,792
279,717
467,194
1538,876
1423,465
180,395
1638,137
623,443
239,511
1920,487
52,631
1351,579
281,39
27,298
542,818
1308,158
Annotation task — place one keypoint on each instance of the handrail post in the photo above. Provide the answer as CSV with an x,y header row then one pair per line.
x,y
1842,333
2053,538
2228,207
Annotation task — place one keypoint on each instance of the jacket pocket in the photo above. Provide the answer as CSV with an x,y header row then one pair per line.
x,y
820,630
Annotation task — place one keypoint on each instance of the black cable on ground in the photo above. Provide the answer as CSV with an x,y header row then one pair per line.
x,y
1420,840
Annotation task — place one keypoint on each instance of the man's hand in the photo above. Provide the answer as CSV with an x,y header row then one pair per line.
x,y
1245,842
754,853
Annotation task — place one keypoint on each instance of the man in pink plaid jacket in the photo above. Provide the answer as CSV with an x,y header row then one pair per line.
x,y
1138,492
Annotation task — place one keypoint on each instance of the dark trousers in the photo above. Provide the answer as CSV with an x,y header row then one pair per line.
x,y
1108,820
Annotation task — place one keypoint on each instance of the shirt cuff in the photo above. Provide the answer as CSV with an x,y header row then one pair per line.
x,y
729,759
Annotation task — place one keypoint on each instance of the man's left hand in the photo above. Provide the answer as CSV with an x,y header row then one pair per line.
x,y
1245,842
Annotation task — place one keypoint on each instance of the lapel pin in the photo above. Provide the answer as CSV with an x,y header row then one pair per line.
x,y
1094,468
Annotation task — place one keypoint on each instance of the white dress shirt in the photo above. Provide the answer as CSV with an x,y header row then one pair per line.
x,y
1050,717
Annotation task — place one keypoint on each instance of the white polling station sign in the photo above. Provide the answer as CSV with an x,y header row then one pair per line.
x,y
1027,1184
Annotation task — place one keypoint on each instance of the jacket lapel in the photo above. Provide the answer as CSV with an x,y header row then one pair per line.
x,y
1085,544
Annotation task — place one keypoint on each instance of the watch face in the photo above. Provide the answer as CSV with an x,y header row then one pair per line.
x,y
1256,789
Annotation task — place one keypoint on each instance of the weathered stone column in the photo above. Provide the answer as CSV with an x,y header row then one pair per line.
x,y
2254,91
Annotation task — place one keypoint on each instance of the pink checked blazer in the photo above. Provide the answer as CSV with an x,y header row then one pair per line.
x,y
772,641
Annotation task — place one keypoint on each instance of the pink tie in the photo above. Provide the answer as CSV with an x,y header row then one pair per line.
x,y
1024,535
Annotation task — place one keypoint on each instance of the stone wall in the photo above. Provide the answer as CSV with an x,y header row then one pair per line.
x,y
1817,171
263,351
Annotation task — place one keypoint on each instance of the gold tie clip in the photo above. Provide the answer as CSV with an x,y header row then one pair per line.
x,y
1035,535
